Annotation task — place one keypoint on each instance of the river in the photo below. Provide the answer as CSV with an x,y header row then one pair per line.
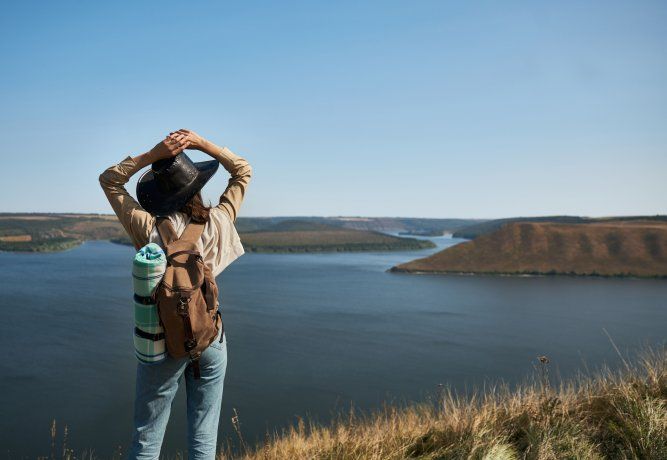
x,y
307,334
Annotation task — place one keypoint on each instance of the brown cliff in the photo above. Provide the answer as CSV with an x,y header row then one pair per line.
x,y
623,248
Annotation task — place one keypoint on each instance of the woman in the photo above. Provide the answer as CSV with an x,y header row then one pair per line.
x,y
172,188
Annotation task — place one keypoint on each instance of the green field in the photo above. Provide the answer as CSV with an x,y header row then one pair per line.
x,y
296,236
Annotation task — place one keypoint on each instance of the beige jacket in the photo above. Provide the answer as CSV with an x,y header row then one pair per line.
x,y
219,244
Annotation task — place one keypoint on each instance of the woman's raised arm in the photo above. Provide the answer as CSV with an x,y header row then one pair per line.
x,y
136,221
241,172
238,167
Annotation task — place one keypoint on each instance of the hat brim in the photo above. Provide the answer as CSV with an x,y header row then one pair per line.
x,y
158,203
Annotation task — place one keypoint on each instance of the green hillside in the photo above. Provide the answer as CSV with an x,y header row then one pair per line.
x,y
300,236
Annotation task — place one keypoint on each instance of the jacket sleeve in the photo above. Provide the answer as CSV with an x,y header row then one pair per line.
x,y
137,222
241,172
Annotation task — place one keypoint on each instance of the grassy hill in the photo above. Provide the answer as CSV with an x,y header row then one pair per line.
x,y
296,225
407,225
605,248
304,236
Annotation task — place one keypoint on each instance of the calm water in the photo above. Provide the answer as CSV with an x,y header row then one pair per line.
x,y
307,334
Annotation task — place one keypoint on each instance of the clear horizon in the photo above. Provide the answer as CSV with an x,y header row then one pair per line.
x,y
381,109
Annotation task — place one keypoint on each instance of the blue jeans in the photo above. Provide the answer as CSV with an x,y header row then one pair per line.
x,y
156,386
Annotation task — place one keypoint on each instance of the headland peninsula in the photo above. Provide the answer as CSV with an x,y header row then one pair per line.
x,y
616,247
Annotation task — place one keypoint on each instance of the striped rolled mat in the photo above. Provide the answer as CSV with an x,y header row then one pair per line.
x,y
147,270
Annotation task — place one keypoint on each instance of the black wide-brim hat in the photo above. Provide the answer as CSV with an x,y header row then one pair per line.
x,y
172,182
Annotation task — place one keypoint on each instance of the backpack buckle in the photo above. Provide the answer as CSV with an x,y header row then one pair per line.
x,y
190,344
182,306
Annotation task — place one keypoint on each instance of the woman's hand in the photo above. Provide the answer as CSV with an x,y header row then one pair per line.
x,y
169,147
193,140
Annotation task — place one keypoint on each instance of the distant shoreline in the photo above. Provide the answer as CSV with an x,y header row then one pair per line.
x,y
259,250
34,233
43,247
256,250
361,247
524,274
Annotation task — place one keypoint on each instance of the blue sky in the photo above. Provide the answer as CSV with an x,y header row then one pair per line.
x,y
429,109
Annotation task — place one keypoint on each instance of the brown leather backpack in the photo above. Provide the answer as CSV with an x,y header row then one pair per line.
x,y
187,295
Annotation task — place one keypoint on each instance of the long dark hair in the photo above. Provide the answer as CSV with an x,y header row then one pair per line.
x,y
196,209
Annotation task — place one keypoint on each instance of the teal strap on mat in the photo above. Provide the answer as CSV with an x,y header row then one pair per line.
x,y
147,270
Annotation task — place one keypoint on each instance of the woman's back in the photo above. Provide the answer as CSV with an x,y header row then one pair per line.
x,y
219,244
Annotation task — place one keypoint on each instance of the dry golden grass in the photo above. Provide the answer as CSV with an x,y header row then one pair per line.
x,y
615,415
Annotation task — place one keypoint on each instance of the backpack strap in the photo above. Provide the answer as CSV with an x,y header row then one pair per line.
x,y
192,232
166,230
